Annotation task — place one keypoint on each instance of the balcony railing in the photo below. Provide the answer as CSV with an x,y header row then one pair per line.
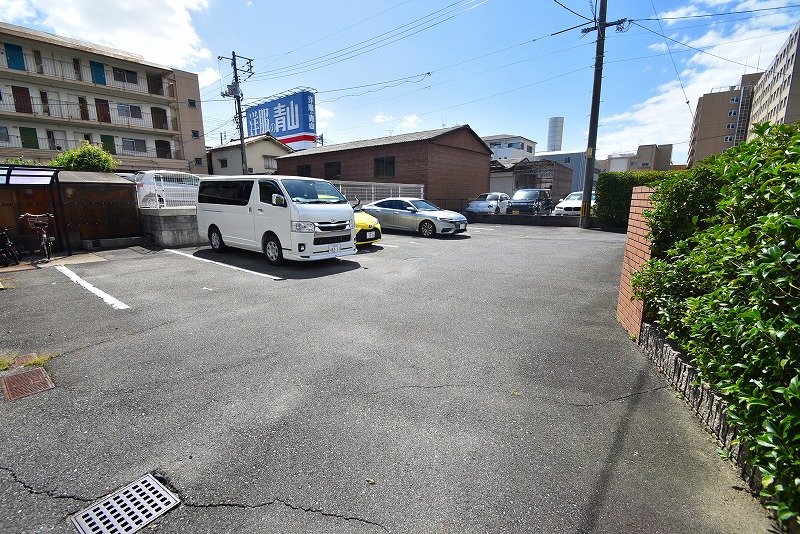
x,y
47,143
102,75
125,115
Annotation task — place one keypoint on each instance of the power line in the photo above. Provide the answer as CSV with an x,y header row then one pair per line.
x,y
675,66
573,12
722,14
373,43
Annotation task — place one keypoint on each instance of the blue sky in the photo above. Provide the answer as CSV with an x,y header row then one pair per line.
x,y
397,66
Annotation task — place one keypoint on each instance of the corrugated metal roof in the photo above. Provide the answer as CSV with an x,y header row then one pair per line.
x,y
380,141
86,177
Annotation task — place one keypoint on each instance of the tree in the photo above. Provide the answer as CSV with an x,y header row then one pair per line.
x,y
86,157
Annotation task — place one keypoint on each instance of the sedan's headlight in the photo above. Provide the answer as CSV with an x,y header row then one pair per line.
x,y
303,226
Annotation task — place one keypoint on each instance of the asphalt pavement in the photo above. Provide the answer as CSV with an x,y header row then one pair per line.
x,y
476,383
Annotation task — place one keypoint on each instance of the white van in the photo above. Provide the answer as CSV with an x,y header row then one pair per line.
x,y
166,189
285,217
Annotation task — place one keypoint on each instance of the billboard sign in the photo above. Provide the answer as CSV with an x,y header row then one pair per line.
x,y
291,119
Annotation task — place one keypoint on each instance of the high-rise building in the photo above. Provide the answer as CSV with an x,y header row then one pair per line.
x,y
721,119
776,98
56,93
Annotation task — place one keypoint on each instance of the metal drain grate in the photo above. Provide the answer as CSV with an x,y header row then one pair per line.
x,y
128,509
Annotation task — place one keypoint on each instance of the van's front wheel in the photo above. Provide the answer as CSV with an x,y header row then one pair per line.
x,y
272,250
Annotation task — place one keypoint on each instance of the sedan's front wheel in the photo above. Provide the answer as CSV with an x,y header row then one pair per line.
x,y
427,229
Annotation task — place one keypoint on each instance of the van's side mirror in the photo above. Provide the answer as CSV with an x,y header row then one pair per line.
x,y
278,200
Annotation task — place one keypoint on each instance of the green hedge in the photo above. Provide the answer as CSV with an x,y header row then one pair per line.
x,y
725,284
613,195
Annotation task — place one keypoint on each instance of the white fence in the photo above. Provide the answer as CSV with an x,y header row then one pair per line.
x,y
370,192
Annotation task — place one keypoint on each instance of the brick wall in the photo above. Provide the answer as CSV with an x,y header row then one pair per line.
x,y
637,251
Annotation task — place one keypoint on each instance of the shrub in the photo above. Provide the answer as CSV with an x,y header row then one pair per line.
x,y
613,195
728,291
85,157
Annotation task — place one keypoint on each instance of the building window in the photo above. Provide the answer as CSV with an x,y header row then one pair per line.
x,y
198,161
126,76
567,159
4,137
192,103
646,164
133,145
223,163
195,134
530,149
732,113
129,110
729,139
333,170
76,67
304,170
270,162
384,166
730,126
735,100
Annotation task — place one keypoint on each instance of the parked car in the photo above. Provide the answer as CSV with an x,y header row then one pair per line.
x,y
368,228
166,189
571,205
488,203
417,215
532,201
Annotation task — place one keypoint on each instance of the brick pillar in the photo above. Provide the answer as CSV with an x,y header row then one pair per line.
x,y
637,251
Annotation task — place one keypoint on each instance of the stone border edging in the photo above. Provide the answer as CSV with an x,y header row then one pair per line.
x,y
707,404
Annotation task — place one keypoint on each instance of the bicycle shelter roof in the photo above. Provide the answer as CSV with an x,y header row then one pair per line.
x,y
11,174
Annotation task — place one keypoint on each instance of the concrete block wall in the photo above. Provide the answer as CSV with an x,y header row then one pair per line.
x,y
637,251
172,227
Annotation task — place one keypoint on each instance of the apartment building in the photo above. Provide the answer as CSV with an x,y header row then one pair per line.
x,y
646,158
722,119
776,97
510,146
56,93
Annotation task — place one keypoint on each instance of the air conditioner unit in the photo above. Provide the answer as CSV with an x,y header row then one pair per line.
x,y
249,170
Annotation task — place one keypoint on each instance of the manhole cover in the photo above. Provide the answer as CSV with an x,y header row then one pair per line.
x,y
127,510
26,383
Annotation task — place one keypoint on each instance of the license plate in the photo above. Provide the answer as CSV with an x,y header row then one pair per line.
x,y
334,248
461,226
370,235
515,212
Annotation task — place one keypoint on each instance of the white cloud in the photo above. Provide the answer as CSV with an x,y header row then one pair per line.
x,y
382,117
170,38
410,122
324,117
665,117
208,76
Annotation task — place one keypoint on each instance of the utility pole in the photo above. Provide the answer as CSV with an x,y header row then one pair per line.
x,y
588,181
236,92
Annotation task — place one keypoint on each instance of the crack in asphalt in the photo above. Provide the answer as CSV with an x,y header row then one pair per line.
x,y
287,504
33,491
623,397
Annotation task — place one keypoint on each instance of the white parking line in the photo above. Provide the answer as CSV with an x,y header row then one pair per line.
x,y
390,246
225,265
108,299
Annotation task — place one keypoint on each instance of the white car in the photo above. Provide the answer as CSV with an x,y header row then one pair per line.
x,y
571,205
488,203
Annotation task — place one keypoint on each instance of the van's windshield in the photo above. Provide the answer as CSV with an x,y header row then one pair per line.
x,y
313,192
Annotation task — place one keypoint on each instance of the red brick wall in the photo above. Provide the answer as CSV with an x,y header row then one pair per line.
x,y
637,251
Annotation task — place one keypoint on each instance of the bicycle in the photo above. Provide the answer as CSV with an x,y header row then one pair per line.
x,y
40,223
8,250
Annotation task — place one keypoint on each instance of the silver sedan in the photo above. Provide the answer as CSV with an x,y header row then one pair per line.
x,y
417,215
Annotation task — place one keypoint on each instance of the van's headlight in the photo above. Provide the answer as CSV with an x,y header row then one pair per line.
x,y
303,226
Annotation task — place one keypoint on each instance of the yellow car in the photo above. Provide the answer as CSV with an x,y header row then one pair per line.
x,y
368,229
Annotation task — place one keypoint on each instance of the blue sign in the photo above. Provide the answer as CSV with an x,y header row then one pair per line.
x,y
290,119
